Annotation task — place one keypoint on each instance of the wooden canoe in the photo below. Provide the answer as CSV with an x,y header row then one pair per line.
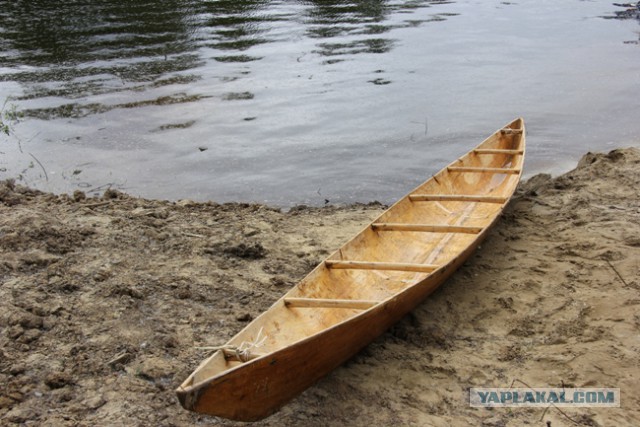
x,y
363,288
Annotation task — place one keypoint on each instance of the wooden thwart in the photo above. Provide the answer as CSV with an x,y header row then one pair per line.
x,y
428,228
395,266
496,151
329,303
482,170
456,198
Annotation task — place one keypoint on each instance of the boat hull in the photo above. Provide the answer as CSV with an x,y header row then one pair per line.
x,y
253,389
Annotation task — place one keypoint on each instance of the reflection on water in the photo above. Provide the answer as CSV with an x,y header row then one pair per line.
x,y
80,50
296,101
329,19
71,33
627,11
75,50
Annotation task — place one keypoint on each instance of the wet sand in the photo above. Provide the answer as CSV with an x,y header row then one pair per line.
x,y
104,301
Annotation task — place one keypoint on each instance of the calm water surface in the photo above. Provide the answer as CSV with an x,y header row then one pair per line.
x,y
289,102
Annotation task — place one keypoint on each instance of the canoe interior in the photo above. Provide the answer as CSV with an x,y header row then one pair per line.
x,y
283,325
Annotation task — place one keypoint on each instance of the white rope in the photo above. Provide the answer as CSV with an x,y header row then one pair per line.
x,y
243,351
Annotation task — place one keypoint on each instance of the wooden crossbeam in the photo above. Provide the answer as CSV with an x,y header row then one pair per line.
x,y
456,198
428,228
482,170
366,265
497,151
329,303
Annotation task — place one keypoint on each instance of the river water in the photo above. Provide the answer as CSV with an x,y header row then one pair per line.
x,y
288,102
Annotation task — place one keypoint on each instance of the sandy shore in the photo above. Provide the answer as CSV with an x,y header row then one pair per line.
x,y
104,301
